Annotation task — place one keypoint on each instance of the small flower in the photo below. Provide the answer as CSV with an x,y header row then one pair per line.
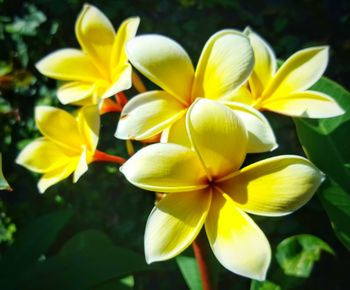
x,y
224,65
284,90
68,145
101,68
205,186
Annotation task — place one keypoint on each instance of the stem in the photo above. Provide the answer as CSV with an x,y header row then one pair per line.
x,y
109,106
137,82
104,157
121,99
201,254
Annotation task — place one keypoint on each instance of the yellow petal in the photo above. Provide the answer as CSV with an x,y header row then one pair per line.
x,y
237,242
127,30
4,185
274,186
309,104
226,62
81,166
96,35
121,82
165,168
68,64
298,73
241,95
148,114
74,92
52,177
260,134
174,223
217,135
265,63
42,155
164,62
58,126
177,133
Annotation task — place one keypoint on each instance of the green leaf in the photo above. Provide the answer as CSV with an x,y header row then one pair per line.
x,y
3,182
296,255
264,285
87,260
189,269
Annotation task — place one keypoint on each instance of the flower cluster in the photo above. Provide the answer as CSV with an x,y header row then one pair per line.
x,y
204,121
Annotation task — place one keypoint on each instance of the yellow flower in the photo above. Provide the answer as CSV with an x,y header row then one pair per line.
x,y
284,90
68,145
224,65
101,68
205,186
3,182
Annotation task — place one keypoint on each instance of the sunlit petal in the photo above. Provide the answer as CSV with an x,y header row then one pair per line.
x,y
226,62
217,135
237,242
121,82
309,104
88,119
82,166
174,223
164,62
73,92
274,186
241,95
148,114
177,133
165,168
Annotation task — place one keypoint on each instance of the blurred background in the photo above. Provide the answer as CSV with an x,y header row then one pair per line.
x,y
102,199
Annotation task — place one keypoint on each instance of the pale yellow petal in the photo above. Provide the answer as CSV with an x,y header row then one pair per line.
x,y
274,186
164,62
260,134
225,64
68,64
308,104
74,92
4,185
217,135
96,36
81,167
298,73
241,95
237,242
88,119
148,114
177,133
59,126
165,168
174,223
265,63
121,81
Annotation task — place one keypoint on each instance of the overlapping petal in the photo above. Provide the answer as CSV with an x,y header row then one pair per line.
x,y
226,62
82,165
74,92
274,186
237,242
148,114
217,135
121,81
88,120
174,223
177,133
164,62
165,168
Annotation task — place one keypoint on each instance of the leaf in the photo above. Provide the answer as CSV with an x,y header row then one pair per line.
x,y
3,182
296,255
264,285
189,269
87,260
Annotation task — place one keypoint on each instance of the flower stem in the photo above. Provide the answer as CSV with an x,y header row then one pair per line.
x,y
121,99
200,251
137,82
109,106
104,157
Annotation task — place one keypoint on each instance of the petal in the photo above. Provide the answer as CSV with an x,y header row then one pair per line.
x,y
241,95
265,63
164,62
308,104
274,186
42,155
299,72
260,134
88,119
52,177
148,114
68,64
226,62
74,92
121,82
174,223
81,167
165,168
217,135
177,133
96,36
237,242
59,126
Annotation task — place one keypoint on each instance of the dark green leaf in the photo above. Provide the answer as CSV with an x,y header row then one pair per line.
x,y
263,285
189,269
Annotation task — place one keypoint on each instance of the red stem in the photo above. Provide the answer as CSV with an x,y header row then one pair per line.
x,y
104,157
110,106
121,99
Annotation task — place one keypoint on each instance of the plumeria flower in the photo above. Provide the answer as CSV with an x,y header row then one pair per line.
x,y
284,90
100,69
224,65
68,145
204,185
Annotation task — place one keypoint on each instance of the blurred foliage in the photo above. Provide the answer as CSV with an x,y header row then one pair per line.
x,y
102,199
